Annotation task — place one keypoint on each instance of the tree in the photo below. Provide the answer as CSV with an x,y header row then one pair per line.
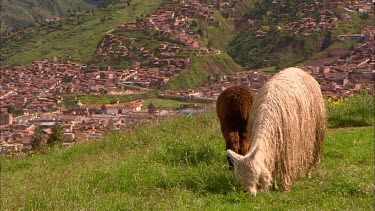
x,y
37,140
56,137
151,109
12,109
364,16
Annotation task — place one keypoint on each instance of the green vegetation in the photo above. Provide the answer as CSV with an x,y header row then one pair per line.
x,y
145,40
283,47
243,8
107,99
336,46
269,69
203,69
216,33
18,14
104,99
355,111
166,103
14,111
77,37
352,25
151,108
56,137
280,48
180,163
159,102
37,141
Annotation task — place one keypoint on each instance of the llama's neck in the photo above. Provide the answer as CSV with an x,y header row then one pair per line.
x,y
264,141
265,122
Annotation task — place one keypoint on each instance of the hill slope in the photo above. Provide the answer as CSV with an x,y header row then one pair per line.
x,y
285,33
203,69
241,30
18,14
180,163
75,38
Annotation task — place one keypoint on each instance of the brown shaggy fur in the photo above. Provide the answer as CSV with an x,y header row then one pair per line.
x,y
233,108
287,125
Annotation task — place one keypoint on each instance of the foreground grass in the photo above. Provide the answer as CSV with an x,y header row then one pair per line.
x,y
180,163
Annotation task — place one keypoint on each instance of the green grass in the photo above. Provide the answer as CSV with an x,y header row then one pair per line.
x,y
104,98
358,110
107,99
179,163
19,14
202,70
217,34
164,102
269,69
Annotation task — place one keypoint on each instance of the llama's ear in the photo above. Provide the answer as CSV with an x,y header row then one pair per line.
x,y
252,154
234,156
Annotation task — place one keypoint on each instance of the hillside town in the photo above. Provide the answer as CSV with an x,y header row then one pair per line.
x,y
40,91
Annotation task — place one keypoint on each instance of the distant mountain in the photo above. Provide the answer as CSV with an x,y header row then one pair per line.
x,y
19,14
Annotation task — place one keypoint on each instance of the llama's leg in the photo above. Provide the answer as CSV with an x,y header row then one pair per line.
x,y
244,140
286,183
231,139
318,145
318,150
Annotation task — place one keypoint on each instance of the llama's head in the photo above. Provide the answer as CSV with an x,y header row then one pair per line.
x,y
250,171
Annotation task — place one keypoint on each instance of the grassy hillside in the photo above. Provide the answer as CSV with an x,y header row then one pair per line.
x,y
180,163
216,33
19,14
284,47
202,70
77,38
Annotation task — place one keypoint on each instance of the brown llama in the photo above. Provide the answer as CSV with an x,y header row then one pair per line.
x,y
233,108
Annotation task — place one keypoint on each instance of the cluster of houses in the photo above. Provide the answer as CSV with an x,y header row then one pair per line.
x,y
326,21
78,123
336,80
36,89
51,77
155,65
149,68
